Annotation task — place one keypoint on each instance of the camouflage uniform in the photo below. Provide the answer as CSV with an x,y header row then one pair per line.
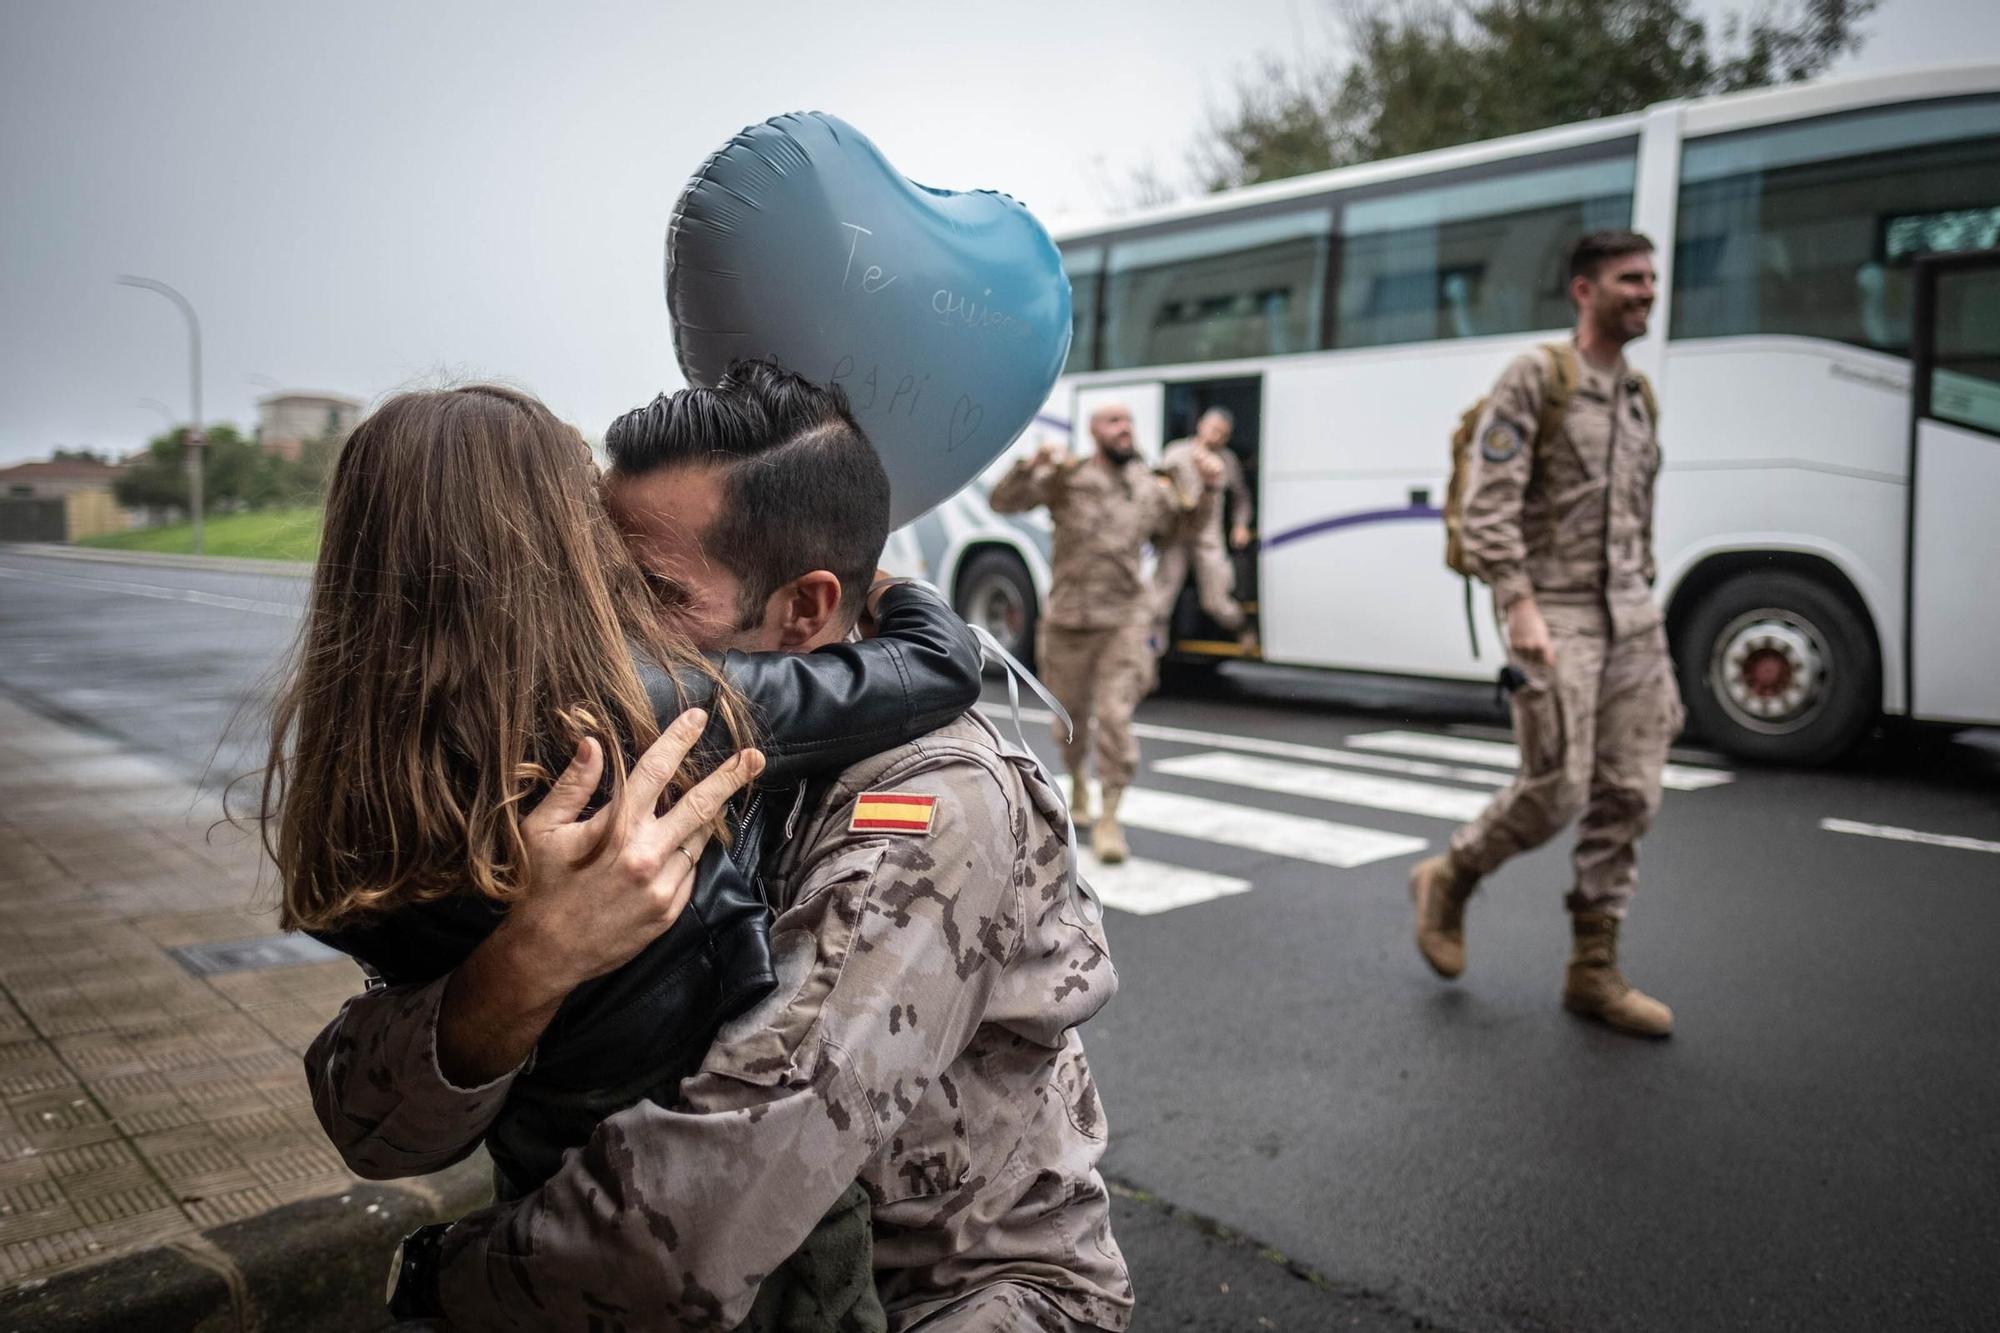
x,y
1091,647
1570,522
1200,544
921,1038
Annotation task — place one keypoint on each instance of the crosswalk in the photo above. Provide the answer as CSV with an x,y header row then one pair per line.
x,y
1406,773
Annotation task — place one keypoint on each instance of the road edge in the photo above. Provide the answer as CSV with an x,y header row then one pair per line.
x,y
316,1264
226,564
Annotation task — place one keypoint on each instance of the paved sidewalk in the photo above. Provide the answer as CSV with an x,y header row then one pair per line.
x,y
152,1018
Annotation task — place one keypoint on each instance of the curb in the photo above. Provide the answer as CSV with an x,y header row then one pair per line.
x,y
225,564
319,1264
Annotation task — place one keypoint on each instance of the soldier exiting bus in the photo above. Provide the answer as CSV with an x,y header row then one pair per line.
x,y
1091,646
1197,545
1556,516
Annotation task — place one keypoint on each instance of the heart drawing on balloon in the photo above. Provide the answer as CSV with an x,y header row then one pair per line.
x,y
965,418
944,315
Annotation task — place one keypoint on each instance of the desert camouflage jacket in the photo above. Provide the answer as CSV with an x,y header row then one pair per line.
x,y
1103,520
1570,519
933,964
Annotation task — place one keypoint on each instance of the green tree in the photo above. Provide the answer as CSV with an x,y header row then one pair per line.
x,y
1423,74
80,456
236,473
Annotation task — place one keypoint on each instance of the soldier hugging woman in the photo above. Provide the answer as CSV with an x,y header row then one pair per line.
x,y
542,729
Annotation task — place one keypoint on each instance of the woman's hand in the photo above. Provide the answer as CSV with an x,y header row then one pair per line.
x,y
599,890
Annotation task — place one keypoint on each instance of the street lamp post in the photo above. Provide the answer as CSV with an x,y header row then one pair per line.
x,y
195,439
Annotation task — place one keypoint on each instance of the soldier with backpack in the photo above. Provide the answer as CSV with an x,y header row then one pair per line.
x,y
1551,505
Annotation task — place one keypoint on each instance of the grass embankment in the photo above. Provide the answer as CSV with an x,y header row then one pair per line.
x,y
266,534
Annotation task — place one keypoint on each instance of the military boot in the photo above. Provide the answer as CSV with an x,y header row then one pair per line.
x,y
1439,888
1080,800
1107,840
1595,988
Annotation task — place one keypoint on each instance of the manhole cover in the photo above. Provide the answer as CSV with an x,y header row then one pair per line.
x,y
207,960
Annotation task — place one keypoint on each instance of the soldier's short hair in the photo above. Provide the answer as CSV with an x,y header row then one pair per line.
x,y
803,488
1590,253
1228,417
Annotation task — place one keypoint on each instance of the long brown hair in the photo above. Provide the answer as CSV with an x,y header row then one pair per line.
x,y
473,616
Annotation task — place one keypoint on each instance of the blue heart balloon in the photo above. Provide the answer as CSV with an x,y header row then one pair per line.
x,y
944,315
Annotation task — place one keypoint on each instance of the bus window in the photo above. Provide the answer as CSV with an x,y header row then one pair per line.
x,y
1809,228
1965,369
1217,291
1464,258
1085,266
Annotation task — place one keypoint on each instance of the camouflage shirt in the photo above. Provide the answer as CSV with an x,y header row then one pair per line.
x,y
1103,520
1568,520
1205,523
921,1038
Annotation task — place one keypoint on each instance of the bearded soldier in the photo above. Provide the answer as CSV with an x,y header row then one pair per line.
x,y
1091,646
1557,519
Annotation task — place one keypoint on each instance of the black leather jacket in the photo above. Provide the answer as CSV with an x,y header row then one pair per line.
x,y
638,1031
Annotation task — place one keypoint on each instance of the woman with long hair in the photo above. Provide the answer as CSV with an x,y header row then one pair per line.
x,y
477,631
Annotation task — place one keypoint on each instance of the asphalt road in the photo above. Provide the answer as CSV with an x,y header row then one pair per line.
x,y
1818,1147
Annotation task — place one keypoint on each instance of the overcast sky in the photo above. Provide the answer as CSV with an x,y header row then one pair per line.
x,y
363,194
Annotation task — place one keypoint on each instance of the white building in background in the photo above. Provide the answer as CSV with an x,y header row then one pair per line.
x,y
287,419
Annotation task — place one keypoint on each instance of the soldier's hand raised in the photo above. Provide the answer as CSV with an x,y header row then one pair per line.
x,y
1210,468
1052,453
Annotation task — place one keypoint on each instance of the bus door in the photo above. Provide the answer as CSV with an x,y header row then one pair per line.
x,y
1193,633
1953,644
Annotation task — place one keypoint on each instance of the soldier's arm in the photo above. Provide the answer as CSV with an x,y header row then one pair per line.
x,y
379,1093
677,1215
1500,463
1030,483
1239,490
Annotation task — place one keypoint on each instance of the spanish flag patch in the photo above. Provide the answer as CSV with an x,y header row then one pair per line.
x,y
892,812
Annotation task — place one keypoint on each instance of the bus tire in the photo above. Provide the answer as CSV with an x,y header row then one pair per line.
x,y
995,590
1777,667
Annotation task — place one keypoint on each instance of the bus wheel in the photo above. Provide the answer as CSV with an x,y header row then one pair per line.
x,y
1777,667
995,591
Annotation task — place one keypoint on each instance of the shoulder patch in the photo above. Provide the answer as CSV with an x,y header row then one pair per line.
x,y
892,812
1500,442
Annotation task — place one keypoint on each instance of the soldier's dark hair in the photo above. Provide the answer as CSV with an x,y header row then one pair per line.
x,y
1590,253
803,488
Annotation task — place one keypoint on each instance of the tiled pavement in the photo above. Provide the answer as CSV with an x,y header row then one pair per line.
x,y
141,1103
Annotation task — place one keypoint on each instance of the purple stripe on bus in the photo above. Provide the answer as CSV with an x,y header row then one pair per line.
x,y
1048,420
1365,517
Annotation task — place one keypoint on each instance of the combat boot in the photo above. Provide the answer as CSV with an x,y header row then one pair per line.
x,y
1080,800
1439,888
1107,840
1595,988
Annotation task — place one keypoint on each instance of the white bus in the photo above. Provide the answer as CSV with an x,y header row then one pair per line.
x,y
1826,348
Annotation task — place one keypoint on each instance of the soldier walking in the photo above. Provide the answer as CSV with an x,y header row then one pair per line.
x,y
1198,545
1557,518
1091,645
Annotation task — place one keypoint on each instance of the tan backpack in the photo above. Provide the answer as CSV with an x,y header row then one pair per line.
x,y
1562,383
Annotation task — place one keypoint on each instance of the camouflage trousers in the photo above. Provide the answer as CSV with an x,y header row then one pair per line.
x,y
1099,675
1593,731
1214,584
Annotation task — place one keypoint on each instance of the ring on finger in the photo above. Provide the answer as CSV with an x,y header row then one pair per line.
x,y
690,858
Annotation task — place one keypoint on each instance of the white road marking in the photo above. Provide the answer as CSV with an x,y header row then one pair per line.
x,y
158,592
1320,840
1892,834
1317,754
1324,784
1676,777
1147,888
